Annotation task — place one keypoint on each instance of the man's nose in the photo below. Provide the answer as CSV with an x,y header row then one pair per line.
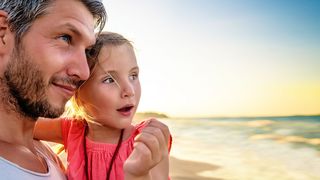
x,y
79,66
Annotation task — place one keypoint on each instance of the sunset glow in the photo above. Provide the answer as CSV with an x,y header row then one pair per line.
x,y
224,58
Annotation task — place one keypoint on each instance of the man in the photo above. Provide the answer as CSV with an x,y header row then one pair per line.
x,y
43,47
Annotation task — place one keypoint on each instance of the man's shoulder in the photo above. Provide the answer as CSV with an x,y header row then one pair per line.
x,y
45,150
13,170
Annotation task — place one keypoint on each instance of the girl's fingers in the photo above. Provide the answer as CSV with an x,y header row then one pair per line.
x,y
163,127
150,147
152,143
158,134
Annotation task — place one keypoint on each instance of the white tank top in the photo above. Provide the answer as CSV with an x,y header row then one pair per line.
x,y
11,171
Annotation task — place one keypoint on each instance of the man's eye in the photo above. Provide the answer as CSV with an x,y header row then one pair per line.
x,y
66,38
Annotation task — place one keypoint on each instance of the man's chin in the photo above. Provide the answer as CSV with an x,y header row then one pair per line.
x,y
55,112
57,106
35,112
51,110
52,114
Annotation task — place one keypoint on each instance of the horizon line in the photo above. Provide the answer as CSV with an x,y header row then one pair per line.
x,y
245,116
231,116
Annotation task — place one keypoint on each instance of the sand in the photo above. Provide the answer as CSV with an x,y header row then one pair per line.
x,y
188,170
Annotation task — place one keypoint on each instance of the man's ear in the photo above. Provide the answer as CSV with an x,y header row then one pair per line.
x,y
6,39
3,26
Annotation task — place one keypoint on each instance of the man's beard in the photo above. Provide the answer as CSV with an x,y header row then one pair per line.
x,y
25,88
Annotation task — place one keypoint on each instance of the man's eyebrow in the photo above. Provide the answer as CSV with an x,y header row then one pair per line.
x,y
72,28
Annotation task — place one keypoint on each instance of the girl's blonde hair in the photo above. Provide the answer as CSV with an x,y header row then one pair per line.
x,y
74,107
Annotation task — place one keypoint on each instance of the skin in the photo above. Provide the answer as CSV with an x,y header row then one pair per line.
x,y
114,84
54,51
150,151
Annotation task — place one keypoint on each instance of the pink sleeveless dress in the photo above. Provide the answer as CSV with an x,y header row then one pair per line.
x,y
99,154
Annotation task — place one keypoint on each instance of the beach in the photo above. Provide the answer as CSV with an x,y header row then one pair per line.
x,y
189,170
245,148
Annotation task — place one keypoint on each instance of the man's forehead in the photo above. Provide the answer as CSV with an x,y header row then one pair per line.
x,y
76,19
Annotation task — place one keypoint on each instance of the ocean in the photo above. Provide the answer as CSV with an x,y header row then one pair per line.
x,y
259,148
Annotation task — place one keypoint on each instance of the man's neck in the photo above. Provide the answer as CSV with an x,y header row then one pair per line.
x,y
17,144
16,129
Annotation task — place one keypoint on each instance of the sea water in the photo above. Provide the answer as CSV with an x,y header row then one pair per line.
x,y
250,148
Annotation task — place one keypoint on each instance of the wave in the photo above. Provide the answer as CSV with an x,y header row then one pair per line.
x,y
287,139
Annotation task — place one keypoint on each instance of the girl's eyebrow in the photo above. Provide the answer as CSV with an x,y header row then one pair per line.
x,y
110,72
135,68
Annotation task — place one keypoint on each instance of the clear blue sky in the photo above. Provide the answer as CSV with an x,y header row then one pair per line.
x,y
224,58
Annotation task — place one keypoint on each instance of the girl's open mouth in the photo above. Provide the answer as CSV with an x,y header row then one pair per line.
x,y
125,108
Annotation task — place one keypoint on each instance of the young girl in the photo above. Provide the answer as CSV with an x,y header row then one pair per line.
x,y
100,141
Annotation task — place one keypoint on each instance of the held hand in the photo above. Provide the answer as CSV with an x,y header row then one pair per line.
x,y
150,147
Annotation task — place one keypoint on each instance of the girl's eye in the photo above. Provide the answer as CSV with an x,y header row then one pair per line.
x,y
134,76
108,80
66,38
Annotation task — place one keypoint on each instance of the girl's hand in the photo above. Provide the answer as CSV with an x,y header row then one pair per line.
x,y
150,147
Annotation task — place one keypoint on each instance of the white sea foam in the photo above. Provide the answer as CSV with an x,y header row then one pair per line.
x,y
240,157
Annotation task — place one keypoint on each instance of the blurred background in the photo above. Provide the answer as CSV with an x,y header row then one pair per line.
x,y
237,82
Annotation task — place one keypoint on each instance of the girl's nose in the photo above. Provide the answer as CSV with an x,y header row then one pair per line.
x,y
127,91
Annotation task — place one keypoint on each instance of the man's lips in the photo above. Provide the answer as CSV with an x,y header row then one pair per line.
x,y
67,88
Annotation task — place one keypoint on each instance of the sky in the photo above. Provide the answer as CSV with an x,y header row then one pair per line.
x,y
201,58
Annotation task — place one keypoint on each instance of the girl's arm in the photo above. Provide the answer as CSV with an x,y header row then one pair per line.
x,y
150,156
161,170
48,130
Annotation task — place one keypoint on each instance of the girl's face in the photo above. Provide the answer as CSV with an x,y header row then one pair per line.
x,y
111,95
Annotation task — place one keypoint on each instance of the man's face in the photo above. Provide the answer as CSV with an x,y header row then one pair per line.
x,y
44,70
28,87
